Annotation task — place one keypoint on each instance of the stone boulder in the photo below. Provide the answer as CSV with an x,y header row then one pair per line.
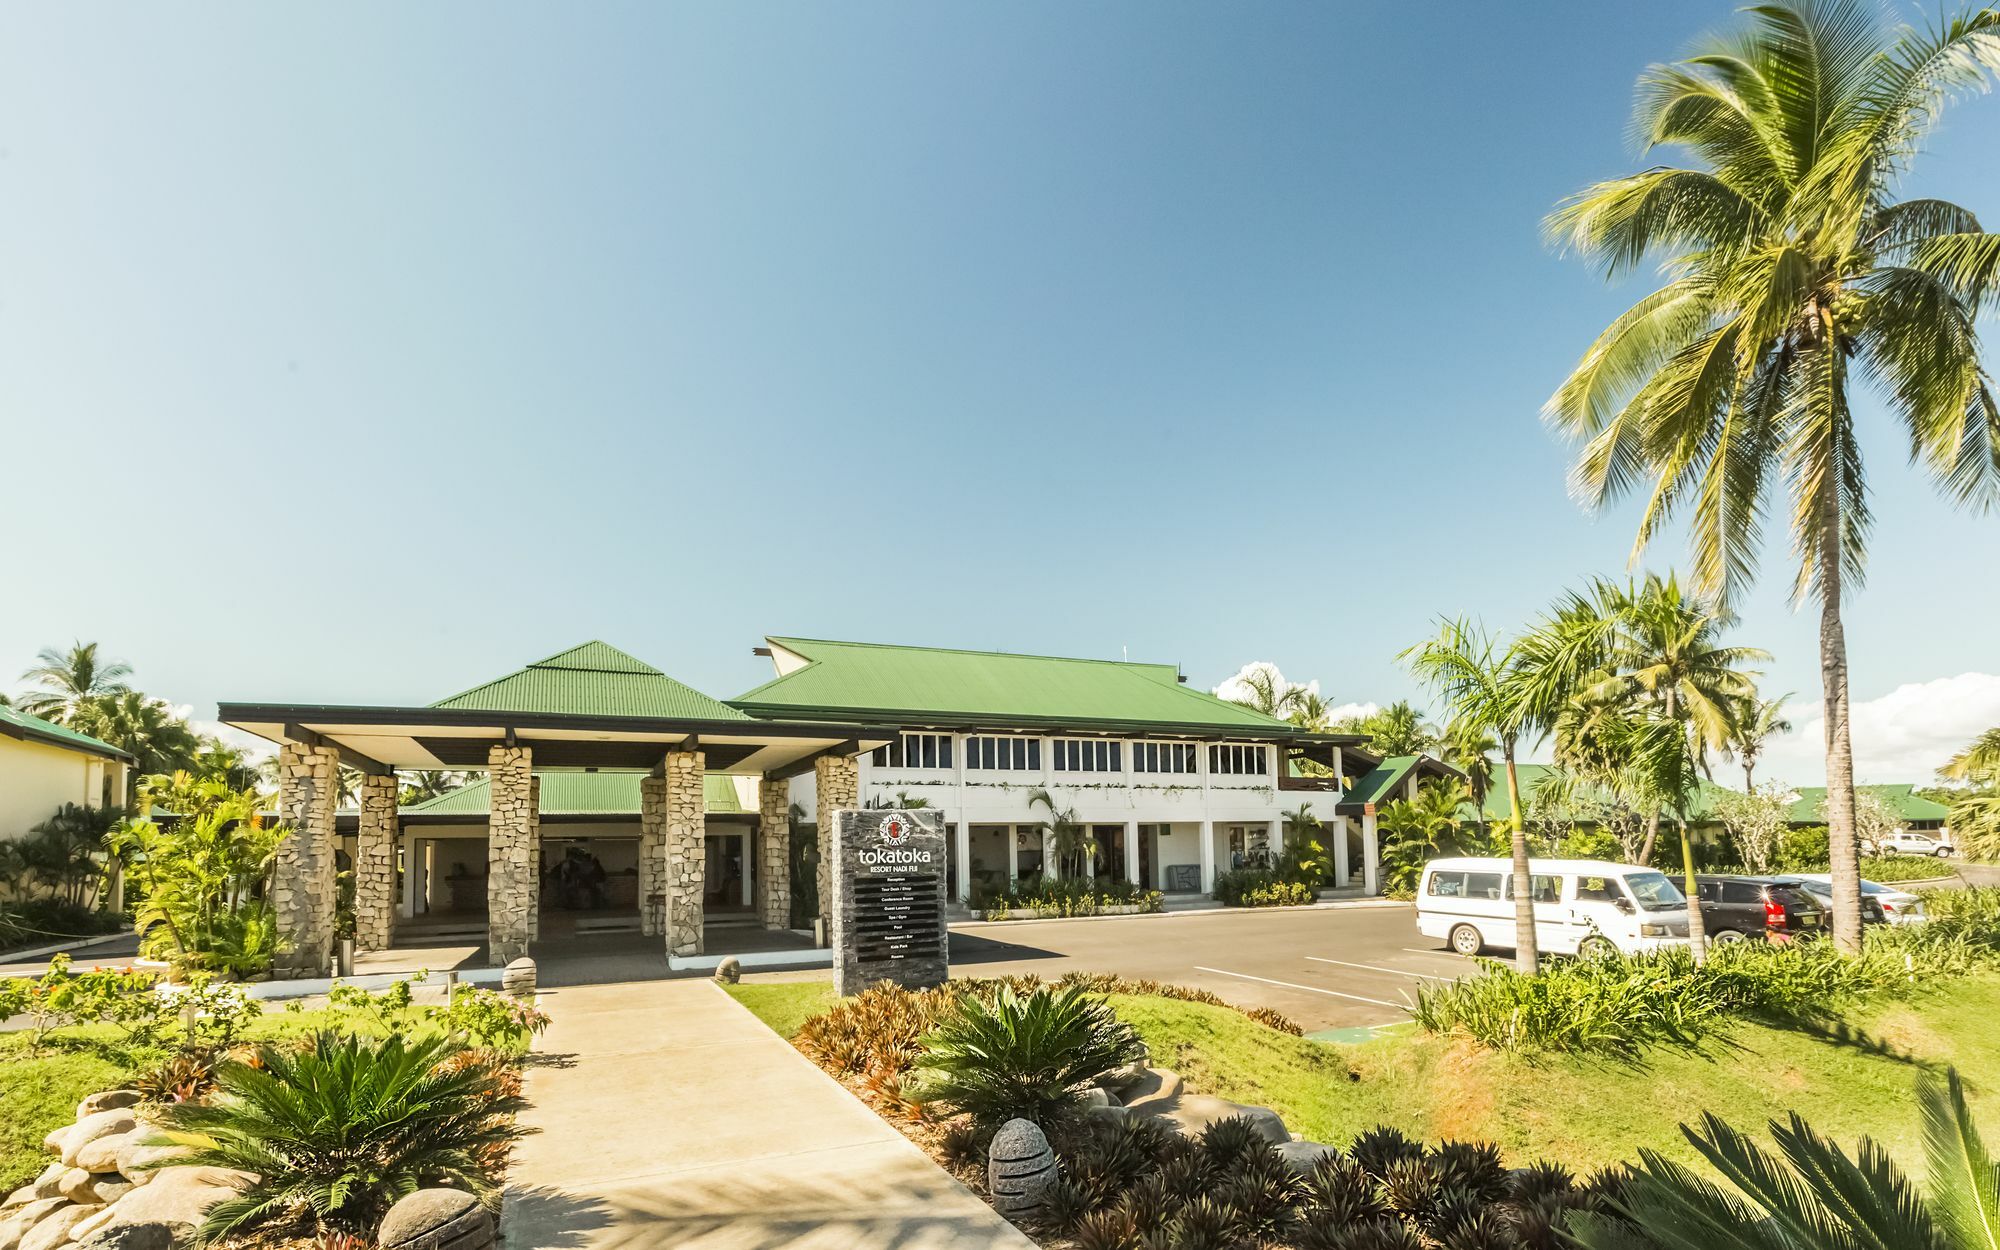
x,y
436,1219
89,1129
102,1154
109,1100
518,978
1020,1167
1303,1156
1125,1077
56,1229
177,1198
729,970
49,1183
130,1237
138,1161
24,1218
1191,1113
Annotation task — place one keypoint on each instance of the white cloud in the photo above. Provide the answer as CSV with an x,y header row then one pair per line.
x,y
1903,735
1238,687
1351,711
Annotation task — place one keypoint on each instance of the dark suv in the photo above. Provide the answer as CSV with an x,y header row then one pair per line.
x,y
1734,908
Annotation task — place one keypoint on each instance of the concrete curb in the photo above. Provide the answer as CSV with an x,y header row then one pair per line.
x,y
60,948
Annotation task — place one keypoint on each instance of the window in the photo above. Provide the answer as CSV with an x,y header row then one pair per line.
x,y
1481,885
1233,759
1541,888
1013,754
1597,890
1448,885
914,751
1742,892
1163,757
1088,755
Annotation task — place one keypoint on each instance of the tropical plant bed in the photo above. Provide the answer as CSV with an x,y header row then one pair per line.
x,y
1057,913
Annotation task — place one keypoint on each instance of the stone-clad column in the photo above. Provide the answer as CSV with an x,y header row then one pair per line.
x,y
375,865
303,889
534,857
652,854
510,840
837,784
686,861
774,853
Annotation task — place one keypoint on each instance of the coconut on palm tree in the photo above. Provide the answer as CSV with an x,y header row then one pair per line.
x,y
1793,273
68,680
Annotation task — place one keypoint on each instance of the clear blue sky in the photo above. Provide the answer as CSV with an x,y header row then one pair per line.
x,y
361,352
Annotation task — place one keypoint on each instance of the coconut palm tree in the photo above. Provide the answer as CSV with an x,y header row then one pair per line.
x,y
1470,751
161,741
423,784
1309,711
1398,730
68,680
1477,675
1752,723
1264,689
1792,272
1977,762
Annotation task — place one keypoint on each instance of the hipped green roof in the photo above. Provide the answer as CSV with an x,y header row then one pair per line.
x,y
594,679
578,794
15,723
934,685
1900,799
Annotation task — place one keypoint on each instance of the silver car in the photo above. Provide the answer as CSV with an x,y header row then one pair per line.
x,y
1898,906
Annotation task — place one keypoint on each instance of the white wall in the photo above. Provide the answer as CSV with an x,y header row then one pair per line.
x,y
36,779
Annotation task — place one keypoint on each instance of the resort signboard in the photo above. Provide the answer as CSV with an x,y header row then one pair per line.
x,y
888,912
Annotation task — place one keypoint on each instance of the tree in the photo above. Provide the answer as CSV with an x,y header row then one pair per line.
x,y
424,784
64,854
1396,730
1752,722
1070,846
1979,762
160,741
1757,819
198,877
1793,271
1477,676
69,679
1470,751
1874,819
1259,686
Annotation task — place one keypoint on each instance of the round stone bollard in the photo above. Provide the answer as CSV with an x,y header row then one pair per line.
x,y
1020,1167
436,1219
518,978
729,971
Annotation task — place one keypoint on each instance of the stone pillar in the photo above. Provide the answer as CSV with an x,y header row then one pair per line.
x,y
1208,857
303,889
510,841
1340,869
375,865
652,855
837,781
686,822
1132,853
1371,857
534,857
774,851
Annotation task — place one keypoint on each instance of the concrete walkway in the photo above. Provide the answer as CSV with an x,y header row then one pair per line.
x,y
667,1115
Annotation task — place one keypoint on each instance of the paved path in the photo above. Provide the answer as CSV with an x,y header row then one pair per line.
x,y
667,1115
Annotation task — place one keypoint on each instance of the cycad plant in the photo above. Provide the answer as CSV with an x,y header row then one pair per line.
x,y
1793,272
1811,1194
1028,1055
338,1130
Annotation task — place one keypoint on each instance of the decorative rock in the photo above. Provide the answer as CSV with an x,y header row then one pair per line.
x,y
92,1127
1120,1079
1192,1113
127,1237
19,1198
139,1161
729,971
75,1185
1303,1156
518,978
1098,1096
102,1155
47,1185
55,1230
1112,1113
177,1197
109,1100
1020,1167
24,1219
436,1219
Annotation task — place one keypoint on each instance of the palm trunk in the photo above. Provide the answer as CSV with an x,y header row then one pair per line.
x,y
1749,785
1697,935
1526,955
1843,849
1652,836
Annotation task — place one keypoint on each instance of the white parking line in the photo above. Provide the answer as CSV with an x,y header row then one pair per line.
x,y
1435,951
1401,972
1310,989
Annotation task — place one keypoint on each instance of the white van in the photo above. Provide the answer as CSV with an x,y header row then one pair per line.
x,y
1582,906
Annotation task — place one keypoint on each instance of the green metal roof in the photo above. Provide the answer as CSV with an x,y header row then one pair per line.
x,y
1378,782
15,723
934,685
594,679
578,794
1701,811
1899,798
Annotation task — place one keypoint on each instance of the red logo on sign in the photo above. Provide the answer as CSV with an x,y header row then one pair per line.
x,y
894,830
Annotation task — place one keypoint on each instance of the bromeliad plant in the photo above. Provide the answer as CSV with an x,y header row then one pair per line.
x,y
1027,1055
340,1129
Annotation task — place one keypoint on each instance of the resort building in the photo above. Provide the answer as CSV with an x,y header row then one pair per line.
x,y
44,766
607,795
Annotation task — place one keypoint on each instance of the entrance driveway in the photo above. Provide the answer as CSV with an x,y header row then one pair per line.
x,y
1327,969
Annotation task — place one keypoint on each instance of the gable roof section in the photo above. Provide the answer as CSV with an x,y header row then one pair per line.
x,y
936,685
577,794
1901,799
595,679
15,723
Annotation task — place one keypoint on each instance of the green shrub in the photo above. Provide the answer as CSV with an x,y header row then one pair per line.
x,y
36,921
1027,1055
340,1129
1890,868
1802,850
1260,887
61,1000
1069,897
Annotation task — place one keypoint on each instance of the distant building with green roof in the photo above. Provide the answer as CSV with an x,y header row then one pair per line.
x,y
44,765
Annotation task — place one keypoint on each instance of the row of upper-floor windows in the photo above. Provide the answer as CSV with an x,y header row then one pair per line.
x,y
996,752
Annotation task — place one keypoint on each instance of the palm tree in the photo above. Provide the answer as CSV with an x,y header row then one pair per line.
x,y
1791,265
1264,689
1978,762
423,784
1069,845
1753,722
69,680
161,741
1811,1194
1398,730
1470,751
1309,711
1478,679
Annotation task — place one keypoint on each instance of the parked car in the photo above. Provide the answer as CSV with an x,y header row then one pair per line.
x,y
1897,906
1735,908
1582,906
1822,897
1912,842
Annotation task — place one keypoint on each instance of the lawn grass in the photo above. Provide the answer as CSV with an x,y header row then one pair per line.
x,y
1584,1113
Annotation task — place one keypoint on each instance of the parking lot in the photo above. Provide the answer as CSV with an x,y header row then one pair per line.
x,y
1342,968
